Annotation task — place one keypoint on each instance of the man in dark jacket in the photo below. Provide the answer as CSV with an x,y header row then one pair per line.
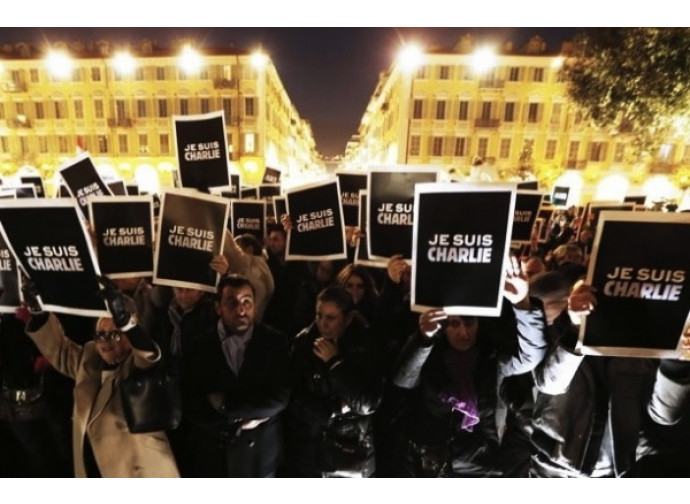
x,y
235,387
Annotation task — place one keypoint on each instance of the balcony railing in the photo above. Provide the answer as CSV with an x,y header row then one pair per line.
x,y
487,123
120,122
14,87
224,83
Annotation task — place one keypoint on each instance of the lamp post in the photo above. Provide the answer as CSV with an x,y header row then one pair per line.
x,y
409,60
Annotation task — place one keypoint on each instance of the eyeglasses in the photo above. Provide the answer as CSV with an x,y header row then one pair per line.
x,y
106,336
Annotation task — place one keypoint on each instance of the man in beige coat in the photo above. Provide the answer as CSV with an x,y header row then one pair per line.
x,y
101,440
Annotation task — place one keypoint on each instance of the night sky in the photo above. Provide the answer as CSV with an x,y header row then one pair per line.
x,y
329,73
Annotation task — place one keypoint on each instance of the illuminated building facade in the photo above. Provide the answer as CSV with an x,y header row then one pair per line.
x,y
118,106
446,107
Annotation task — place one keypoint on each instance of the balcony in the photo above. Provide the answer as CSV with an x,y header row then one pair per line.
x,y
492,83
487,123
224,83
577,164
20,122
13,87
120,122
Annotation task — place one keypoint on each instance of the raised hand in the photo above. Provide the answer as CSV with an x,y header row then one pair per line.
x,y
116,301
430,321
581,302
516,285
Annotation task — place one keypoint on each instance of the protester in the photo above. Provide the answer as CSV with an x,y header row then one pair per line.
x,y
102,444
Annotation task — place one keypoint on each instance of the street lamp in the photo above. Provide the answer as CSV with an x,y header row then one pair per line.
x,y
483,60
190,60
59,64
259,60
409,60
124,63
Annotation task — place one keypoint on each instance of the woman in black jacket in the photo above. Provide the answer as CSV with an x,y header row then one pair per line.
x,y
336,389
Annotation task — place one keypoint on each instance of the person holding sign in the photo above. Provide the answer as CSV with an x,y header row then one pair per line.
x,y
102,444
451,364
594,415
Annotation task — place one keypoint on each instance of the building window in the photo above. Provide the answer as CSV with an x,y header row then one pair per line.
x,y
227,109
184,106
249,107
437,146
2,111
24,145
444,72
98,110
164,140
417,109
573,149
460,147
597,151
141,108
78,109
533,113
556,113
482,147
550,152
486,110
4,144
205,105
42,144
40,110
62,144
509,115
120,109
249,143
619,152
415,145
162,107
421,72
33,75
463,110
538,75
102,144
441,109
143,143
122,144
60,110
504,151
160,73
95,74
19,107
139,73
514,74
203,74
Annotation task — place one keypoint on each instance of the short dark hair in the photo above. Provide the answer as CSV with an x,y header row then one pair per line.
x,y
338,296
234,281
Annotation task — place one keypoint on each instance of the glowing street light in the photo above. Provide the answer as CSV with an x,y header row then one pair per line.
x,y
59,64
410,57
124,63
557,62
259,60
190,60
483,60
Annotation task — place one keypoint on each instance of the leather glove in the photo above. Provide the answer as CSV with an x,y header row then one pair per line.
x,y
30,292
115,300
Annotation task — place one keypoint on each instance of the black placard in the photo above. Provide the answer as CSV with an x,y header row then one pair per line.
x,y
83,181
202,152
52,247
248,216
527,205
390,211
350,185
190,234
642,290
124,235
459,255
317,230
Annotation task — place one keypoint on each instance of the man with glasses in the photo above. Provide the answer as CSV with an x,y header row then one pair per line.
x,y
235,387
102,443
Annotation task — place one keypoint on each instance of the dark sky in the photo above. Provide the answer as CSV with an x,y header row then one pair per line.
x,y
329,73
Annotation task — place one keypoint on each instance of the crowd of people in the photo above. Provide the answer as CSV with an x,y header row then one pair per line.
x,y
321,369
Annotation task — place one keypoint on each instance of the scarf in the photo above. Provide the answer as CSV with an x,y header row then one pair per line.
x,y
460,393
